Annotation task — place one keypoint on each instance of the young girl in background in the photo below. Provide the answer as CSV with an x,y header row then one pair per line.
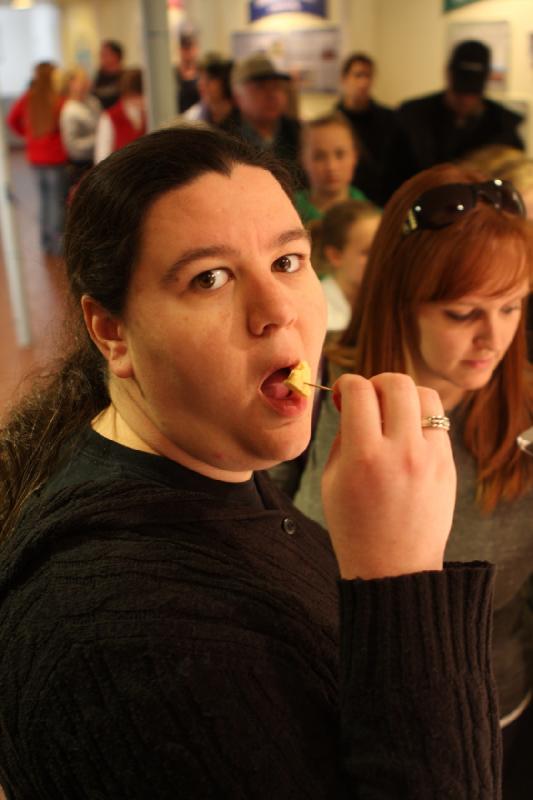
x,y
78,121
442,299
329,154
35,116
342,240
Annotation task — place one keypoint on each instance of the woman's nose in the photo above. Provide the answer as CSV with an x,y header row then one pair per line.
x,y
270,306
488,333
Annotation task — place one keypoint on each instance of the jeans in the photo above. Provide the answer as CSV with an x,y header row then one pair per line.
x,y
53,186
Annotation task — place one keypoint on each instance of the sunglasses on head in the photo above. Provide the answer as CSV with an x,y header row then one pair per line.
x,y
444,205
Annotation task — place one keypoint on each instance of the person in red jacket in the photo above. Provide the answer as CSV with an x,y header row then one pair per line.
x,y
125,120
35,116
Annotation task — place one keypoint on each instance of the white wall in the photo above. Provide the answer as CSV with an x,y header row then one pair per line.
x,y
26,37
86,22
80,34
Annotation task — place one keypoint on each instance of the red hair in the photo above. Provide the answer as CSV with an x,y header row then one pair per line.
x,y
43,101
404,271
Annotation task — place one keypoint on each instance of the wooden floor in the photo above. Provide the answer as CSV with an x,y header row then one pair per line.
x,y
45,288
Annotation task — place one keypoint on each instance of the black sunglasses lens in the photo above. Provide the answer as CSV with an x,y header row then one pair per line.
x,y
441,206
511,201
502,195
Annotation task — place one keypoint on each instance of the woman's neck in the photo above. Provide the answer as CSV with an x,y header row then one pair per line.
x,y
131,428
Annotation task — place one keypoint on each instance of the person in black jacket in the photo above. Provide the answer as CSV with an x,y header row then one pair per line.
x,y
447,125
169,624
373,123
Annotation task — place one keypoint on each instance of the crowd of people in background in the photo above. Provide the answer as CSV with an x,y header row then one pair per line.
x,y
70,121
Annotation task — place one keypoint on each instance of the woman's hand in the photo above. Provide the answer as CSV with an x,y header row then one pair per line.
x,y
389,485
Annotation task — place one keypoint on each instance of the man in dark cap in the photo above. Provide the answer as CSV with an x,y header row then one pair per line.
x,y
448,125
261,96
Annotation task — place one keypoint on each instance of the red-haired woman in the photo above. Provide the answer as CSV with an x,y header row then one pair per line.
x,y
35,116
442,299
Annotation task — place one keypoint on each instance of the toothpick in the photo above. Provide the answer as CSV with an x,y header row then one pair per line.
x,y
318,386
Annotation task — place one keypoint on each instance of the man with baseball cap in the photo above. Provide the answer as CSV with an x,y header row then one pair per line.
x,y
261,93
449,124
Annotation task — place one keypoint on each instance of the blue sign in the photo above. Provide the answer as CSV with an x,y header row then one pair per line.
x,y
264,8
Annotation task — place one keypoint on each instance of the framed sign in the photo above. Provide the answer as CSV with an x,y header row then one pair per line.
x,y
310,55
451,5
265,8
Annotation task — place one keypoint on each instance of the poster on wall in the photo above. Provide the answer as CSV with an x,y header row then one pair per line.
x,y
310,55
496,36
265,8
451,5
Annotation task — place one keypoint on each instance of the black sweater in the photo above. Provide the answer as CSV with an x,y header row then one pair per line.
x,y
163,642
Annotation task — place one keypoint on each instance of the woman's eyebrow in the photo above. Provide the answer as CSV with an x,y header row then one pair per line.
x,y
223,251
291,235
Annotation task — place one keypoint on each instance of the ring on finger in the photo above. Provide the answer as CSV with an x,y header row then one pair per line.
x,y
436,421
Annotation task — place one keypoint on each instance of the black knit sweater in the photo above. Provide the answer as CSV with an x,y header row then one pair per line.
x,y
167,642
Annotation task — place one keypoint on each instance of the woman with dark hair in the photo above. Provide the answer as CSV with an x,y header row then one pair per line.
x,y
169,623
214,86
442,299
35,116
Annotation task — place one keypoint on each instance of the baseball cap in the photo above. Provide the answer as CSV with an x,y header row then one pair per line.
x,y
257,67
469,67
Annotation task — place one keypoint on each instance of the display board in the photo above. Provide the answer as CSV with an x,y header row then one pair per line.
x,y
265,8
310,55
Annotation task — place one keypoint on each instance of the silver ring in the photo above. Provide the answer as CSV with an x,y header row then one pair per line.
x,y
437,421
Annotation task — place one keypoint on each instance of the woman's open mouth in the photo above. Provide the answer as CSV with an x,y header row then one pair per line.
x,y
283,399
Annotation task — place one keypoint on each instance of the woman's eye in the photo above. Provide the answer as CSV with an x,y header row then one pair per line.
x,y
211,279
510,309
291,263
460,317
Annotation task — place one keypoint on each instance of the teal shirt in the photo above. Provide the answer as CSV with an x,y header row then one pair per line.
x,y
308,211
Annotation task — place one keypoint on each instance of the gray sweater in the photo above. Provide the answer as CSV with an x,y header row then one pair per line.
x,y
505,538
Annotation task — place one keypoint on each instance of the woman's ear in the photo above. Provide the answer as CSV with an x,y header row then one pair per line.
x,y
108,334
333,255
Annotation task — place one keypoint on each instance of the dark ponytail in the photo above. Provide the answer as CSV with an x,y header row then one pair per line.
x,y
56,410
102,238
